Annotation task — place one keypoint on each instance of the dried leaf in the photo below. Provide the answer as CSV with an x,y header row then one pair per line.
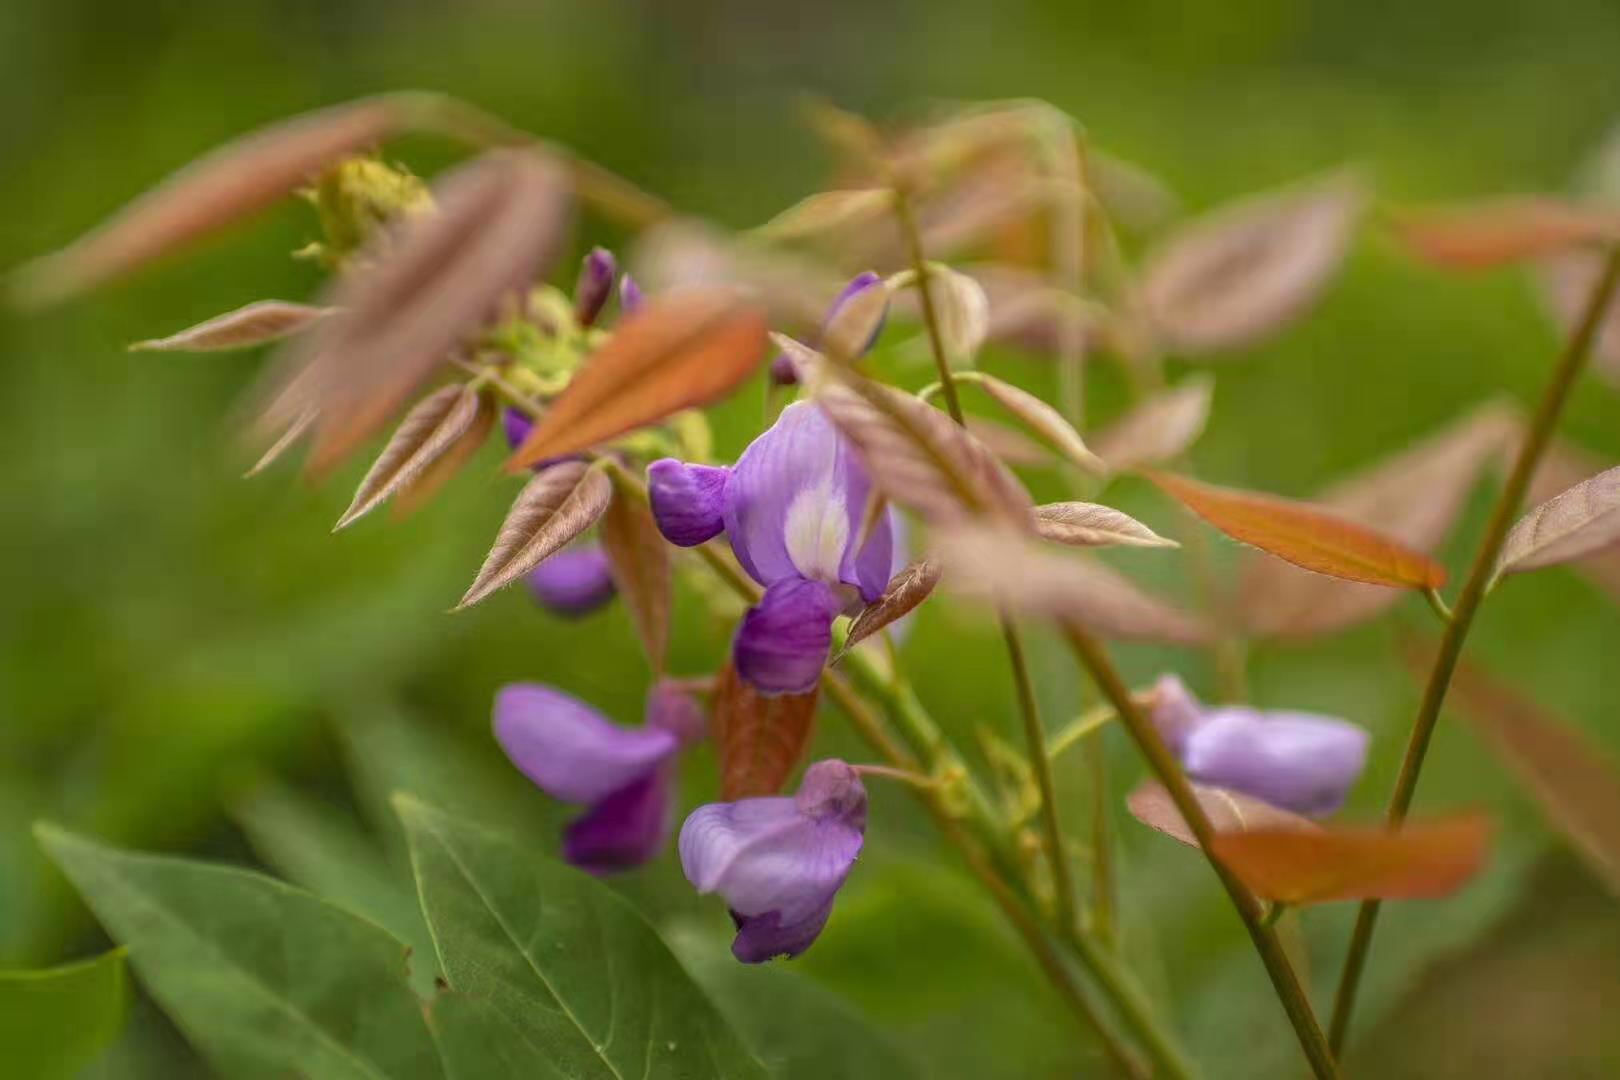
x,y
681,349
1228,811
557,505
1083,524
231,183
826,211
1041,419
258,323
416,493
638,559
1564,465
917,455
1012,446
910,587
1507,230
1567,282
758,737
1239,275
1305,535
427,431
1009,570
1579,521
1421,860
1159,430
284,442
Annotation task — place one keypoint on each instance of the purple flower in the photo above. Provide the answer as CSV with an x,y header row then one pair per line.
x,y
782,370
792,508
573,582
515,425
629,295
778,862
594,286
1298,761
624,777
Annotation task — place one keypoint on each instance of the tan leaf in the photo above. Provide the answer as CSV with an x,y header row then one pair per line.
x,y
1083,524
1305,535
1567,282
1041,419
686,254
1243,273
284,442
682,349
910,587
1159,430
826,211
1011,571
963,311
1507,230
257,323
218,190
1578,521
1228,811
1421,860
638,559
1562,466
758,737
416,493
557,505
918,457
1012,446
427,431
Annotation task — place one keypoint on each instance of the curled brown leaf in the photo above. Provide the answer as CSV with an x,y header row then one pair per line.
x,y
910,587
557,505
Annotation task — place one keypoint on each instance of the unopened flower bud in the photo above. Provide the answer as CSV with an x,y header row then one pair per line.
x,y
629,295
963,311
595,285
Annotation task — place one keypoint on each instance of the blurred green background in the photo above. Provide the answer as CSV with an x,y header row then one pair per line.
x,y
172,635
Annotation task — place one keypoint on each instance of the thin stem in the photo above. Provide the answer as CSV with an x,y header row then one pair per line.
x,y
1569,365
1294,1001
1103,899
900,776
1087,723
919,265
1437,604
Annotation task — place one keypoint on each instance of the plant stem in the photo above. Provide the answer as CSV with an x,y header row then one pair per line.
x,y
1569,365
1294,1001
919,267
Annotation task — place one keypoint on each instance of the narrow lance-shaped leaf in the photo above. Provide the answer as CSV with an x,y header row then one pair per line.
x,y
557,505
1578,521
638,559
1565,465
1228,811
827,211
1160,429
1009,444
1420,860
284,442
1083,524
1305,536
1507,230
910,587
55,1022
1041,419
758,737
427,432
682,349
258,323
1567,282
419,489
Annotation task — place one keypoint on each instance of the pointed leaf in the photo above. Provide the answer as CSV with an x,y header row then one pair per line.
x,y
1009,444
55,1022
265,978
826,211
1041,419
560,960
1159,430
417,491
1567,282
1421,860
427,432
1304,535
758,737
638,559
681,349
1507,230
1083,524
257,323
910,587
1228,811
1243,273
1579,521
557,505
284,442
1562,466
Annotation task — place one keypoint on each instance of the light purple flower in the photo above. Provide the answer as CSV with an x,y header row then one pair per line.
x,y
792,508
629,295
573,582
594,286
782,370
778,862
1298,761
624,777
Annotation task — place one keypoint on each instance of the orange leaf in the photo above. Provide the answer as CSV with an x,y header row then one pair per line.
x,y
1418,861
1304,535
1504,230
682,349
1228,811
759,737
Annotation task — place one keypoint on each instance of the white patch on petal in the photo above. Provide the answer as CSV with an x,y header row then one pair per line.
x,y
818,530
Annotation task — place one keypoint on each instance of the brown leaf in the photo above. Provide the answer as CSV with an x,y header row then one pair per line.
x,y
231,183
416,493
1580,520
1241,274
685,254
1041,419
420,295
257,323
1305,535
557,505
427,431
284,442
638,559
1413,496
910,587
1567,282
963,310
1012,571
1421,860
826,211
758,737
1159,430
917,455
1012,446
1506,230
1562,466
680,350
1083,524
1228,811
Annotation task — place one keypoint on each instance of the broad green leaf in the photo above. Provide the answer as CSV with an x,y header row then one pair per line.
x,y
55,1021
573,971
478,1041
267,979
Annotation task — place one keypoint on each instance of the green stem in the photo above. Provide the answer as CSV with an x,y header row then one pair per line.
x,y
1569,365
919,267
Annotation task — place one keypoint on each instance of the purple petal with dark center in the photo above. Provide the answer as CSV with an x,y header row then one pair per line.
x,y
1298,761
688,501
782,641
625,829
765,937
571,751
573,582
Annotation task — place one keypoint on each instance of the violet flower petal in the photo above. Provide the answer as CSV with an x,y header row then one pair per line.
x,y
857,285
629,295
782,641
672,709
515,424
594,286
573,582
1175,713
626,828
688,501
571,751
1298,761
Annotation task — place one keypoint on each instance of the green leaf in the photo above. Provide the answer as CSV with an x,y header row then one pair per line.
x,y
572,970
265,978
55,1021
